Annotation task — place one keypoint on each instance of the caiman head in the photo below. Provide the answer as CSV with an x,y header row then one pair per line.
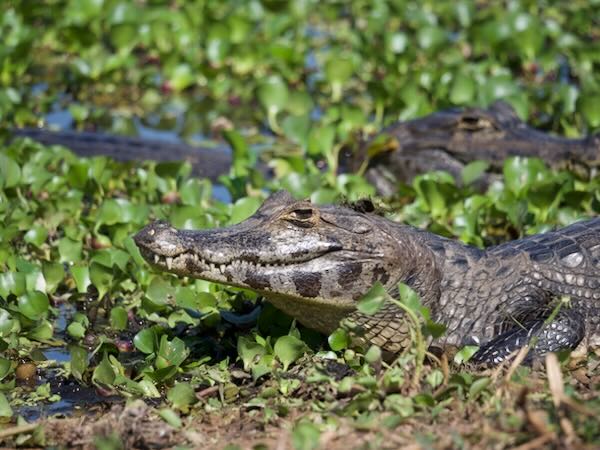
x,y
313,262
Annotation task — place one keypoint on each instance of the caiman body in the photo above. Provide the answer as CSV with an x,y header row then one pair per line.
x,y
315,262
449,140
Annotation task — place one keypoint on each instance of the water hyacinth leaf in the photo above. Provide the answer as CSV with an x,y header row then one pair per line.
x,y
250,351
473,171
6,322
288,349
10,172
273,94
5,367
171,417
36,236
244,208
118,318
338,340
521,173
69,250
478,386
590,108
148,388
81,275
78,360
305,436
34,305
54,273
171,353
76,330
465,353
181,77
160,292
338,71
462,90
12,283
104,372
102,278
182,396
373,300
43,332
146,341
5,409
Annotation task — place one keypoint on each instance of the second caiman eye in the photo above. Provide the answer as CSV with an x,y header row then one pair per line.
x,y
302,214
303,217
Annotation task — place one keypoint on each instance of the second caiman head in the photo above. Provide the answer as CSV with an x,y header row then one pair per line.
x,y
313,262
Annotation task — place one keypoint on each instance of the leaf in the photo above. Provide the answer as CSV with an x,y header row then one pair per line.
x,y
244,208
118,318
10,172
104,372
160,292
36,235
465,353
81,275
5,367
478,386
473,171
273,94
373,300
589,105
182,396
79,361
305,436
5,409
171,417
34,305
250,351
462,90
145,341
288,349
338,340
520,174
76,330
102,278
171,353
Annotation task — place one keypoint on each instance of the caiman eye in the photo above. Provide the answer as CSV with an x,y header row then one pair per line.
x,y
303,217
474,123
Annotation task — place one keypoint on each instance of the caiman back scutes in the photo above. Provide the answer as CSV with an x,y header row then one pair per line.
x,y
315,263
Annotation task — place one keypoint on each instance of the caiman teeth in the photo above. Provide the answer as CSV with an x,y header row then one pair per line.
x,y
169,261
156,258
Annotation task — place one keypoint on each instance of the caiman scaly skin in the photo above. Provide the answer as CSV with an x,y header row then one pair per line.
x,y
315,262
448,140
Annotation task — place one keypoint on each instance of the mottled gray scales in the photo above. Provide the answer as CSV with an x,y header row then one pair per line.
x,y
315,262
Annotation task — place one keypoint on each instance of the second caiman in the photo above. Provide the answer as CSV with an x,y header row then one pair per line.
x,y
449,140
315,263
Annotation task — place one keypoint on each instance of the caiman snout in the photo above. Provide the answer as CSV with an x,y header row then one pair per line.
x,y
159,238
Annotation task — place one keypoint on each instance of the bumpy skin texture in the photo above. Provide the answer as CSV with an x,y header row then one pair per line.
x,y
315,262
448,140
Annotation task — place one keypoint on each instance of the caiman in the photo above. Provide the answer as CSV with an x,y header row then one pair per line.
x,y
449,140
315,262
445,140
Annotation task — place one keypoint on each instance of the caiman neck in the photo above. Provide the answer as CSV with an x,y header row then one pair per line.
x,y
420,262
